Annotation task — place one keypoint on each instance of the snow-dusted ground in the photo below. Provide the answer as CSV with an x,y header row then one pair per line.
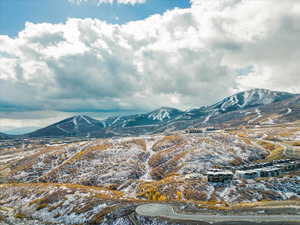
x,y
58,204
259,115
166,164
149,143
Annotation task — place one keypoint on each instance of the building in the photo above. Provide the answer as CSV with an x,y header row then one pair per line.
x,y
252,171
211,129
247,174
219,176
269,172
195,131
286,167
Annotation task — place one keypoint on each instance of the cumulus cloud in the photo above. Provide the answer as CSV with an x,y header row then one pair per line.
x,y
183,58
132,2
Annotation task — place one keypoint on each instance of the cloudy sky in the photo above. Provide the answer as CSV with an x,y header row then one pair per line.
x,y
106,57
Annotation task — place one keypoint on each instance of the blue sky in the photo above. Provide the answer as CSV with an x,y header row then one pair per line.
x,y
14,13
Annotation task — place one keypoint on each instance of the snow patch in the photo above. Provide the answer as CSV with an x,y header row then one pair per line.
x,y
84,118
160,115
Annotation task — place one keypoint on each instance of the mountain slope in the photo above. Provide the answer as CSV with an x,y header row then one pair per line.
x,y
251,98
257,106
4,136
282,109
239,101
158,116
77,125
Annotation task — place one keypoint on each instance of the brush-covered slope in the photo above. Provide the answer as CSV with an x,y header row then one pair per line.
x,y
251,98
100,181
140,167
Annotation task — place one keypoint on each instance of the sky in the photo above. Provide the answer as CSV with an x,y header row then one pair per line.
x,y
60,58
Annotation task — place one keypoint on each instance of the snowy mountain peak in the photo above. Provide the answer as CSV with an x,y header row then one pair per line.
x,y
238,107
163,113
85,118
250,98
79,124
81,119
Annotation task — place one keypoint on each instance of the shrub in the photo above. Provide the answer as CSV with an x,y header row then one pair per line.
x,y
20,215
296,143
41,206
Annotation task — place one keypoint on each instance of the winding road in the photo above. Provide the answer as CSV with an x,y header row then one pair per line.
x,y
167,211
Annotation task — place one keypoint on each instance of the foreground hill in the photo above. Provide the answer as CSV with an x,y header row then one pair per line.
x,y
103,180
139,167
253,107
67,204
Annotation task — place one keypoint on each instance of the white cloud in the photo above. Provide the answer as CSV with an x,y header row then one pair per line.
x,y
183,58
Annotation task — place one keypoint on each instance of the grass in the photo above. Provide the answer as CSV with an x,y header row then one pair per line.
x,y
295,143
276,154
20,216
99,192
51,208
97,218
139,142
167,142
76,157
169,167
41,206
275,151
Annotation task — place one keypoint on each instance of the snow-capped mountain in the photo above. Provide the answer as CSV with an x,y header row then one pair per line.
x,y
158,116
250,107
76,125
251,98
239,101
164,113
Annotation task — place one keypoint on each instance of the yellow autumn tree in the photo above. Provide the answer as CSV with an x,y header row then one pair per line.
x,y
179,195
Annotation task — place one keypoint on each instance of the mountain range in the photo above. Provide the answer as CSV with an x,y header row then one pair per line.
x,y
252,107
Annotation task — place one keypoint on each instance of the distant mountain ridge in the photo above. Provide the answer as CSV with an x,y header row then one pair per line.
x,y
250,98
239,101
72,126
249,107
160,115
4,136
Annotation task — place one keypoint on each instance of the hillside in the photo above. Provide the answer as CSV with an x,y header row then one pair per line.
x,y
4,136
80,125
155,117
251,108
91,180
136,166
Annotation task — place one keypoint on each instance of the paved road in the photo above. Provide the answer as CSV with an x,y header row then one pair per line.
x,y
167,211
